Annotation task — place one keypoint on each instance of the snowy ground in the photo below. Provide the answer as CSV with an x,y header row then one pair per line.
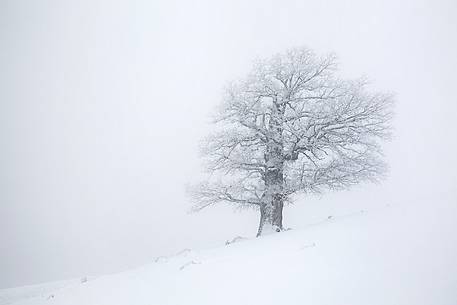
x,y
12,295
396,255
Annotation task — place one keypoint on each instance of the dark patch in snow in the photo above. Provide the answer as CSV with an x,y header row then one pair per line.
x,y
188,264
161,259
183,252
235,240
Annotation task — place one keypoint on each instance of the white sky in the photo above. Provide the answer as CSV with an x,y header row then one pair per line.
x,y
102,104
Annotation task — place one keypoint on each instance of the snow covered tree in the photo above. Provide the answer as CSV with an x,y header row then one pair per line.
x,y
292,125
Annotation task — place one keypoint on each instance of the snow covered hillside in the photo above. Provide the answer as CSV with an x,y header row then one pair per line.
x,y
397,255
10,296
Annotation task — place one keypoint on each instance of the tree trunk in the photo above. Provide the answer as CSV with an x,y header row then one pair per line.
x,y
272,201
273,198
271,216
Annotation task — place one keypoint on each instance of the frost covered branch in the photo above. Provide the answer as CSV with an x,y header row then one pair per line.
x,y
292,125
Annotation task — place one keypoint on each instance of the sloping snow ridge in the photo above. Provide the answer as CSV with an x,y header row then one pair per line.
x,y
398,255
45,290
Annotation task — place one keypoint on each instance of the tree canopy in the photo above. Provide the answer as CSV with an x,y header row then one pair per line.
x,y
292,125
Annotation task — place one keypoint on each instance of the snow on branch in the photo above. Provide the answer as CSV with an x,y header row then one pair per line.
x,y
295,117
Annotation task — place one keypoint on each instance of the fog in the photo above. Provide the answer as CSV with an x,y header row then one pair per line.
x,y
103,104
